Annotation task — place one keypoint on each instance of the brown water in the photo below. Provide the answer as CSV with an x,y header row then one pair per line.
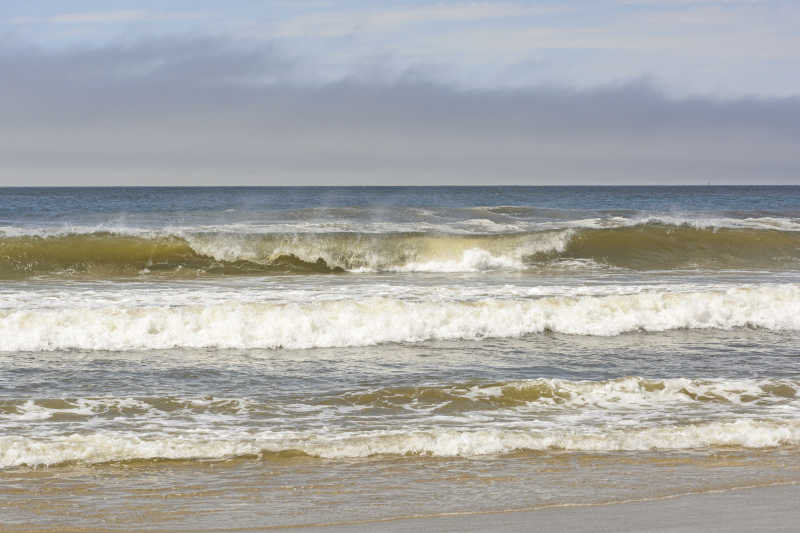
x,y
291,490
184,360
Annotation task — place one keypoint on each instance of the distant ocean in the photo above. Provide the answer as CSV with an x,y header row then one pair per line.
x,y
188,358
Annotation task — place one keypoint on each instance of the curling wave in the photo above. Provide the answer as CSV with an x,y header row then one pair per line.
x,y
376,320
646,246
101,255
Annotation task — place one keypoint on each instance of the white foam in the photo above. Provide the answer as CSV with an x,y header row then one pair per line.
x,y
757,223
386,252
102,447
484,225
366,321
451,442
469,245
46,295
638,393
31,410
467,226
472,260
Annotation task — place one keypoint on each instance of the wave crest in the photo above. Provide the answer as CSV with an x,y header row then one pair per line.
x,y
647,246
101,255
337,323
628,391
109,446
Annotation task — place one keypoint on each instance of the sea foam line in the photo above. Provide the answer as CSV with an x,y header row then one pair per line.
x,y
631,393
339,323
103,447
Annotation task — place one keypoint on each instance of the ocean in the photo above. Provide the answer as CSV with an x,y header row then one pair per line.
x,y
231,358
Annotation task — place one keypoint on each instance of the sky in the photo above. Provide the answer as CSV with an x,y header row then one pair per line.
x,y
399,92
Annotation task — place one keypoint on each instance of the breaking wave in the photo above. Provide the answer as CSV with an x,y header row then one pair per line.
x,y
647,246
337,323
112,446
100,255
531,396
693,414
628,392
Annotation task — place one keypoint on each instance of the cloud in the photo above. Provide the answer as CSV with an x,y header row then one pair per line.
x,y
720,46
345,22
206,111
672,3
105,17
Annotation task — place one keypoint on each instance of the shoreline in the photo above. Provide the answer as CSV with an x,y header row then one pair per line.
x,y
773,507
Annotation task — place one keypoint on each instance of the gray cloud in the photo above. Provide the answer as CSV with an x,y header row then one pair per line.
x,y
203,111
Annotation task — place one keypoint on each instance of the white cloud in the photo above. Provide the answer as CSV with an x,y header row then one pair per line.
x,y
333,24
193,119
23,20
691,34
99,17
104,17
671,3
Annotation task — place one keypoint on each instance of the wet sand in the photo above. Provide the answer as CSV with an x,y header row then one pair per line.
x,y
772,508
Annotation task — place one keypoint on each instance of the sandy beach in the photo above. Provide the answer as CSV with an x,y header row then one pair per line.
x,y
772,508
407,266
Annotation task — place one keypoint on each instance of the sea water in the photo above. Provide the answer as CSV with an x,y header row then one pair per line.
x,y
184,358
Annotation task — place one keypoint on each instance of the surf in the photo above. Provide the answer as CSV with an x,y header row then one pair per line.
x,y
385,319
647,246
103,447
